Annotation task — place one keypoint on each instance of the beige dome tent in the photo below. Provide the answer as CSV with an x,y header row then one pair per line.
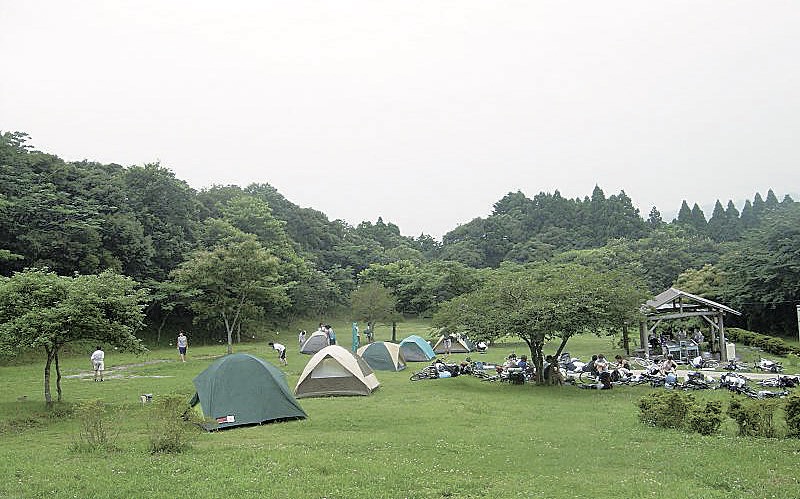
x,y
335,371
458,345
314,343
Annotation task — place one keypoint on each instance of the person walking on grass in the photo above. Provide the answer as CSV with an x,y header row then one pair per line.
x,y
98,363
281,352
183,344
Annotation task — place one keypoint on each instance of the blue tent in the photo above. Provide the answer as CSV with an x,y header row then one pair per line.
x,y
416,349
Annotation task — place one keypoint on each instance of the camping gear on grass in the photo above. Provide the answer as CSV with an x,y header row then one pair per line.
x,y
241,389
335,371
416,349
383,356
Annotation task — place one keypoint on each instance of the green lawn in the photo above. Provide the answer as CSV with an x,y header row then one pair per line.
x,y
454,437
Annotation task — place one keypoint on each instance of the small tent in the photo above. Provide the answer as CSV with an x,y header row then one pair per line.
x,y
316,342
383,356
240,389
416,349
334,370
457,345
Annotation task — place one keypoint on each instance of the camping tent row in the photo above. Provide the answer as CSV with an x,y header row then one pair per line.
x,y
241,389
458,344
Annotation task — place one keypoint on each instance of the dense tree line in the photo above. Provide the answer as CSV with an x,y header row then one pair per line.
x,y
144,223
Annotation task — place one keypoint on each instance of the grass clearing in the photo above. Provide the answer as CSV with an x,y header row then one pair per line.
x,y
455,437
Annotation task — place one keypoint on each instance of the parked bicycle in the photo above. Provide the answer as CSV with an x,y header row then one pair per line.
x,y
768,366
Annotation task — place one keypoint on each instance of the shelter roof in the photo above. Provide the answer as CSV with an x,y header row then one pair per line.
x,y
675,300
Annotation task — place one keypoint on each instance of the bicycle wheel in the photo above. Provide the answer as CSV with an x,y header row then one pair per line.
x,y
422,375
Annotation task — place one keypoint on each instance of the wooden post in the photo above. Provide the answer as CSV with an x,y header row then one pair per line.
x,y
625,343
643,339
723,348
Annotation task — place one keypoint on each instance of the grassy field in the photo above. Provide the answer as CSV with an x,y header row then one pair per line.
x,y
454,437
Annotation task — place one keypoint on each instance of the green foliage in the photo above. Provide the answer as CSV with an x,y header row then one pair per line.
x,y
706,419
755,418
665,409
763,271
764,342
237,278
40,310
373,303
543,301
96,430
170,433
793,415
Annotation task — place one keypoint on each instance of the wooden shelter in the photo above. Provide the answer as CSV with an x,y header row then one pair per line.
x,y
676,304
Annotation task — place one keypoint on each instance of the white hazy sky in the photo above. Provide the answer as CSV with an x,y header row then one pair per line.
x,y
422,112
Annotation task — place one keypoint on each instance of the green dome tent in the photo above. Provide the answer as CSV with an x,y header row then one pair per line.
x,y
383,356
241,389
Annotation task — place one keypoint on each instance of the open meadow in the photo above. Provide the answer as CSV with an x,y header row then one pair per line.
x,y
457,437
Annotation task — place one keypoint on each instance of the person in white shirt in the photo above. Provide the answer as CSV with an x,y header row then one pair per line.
x,y
98,363
183,344
281,352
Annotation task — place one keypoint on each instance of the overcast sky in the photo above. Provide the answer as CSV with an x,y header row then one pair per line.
x,y
422,112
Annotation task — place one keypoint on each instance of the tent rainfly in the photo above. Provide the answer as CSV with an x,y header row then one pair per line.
x,y
335,371
314,343
416,349
383,356
458,345
241,389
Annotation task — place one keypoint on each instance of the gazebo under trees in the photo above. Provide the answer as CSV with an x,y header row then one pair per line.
x,y
676,304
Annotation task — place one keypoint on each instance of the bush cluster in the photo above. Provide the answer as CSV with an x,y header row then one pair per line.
x,y
96,429
793,415
770,344
679,410
169,432
754,418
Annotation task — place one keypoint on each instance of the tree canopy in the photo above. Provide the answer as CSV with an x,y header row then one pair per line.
x,y
40,310
544,301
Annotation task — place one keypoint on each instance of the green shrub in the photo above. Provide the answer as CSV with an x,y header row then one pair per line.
x,y
94,434
665,409
793,415
169,431
705,420
755,418
770,344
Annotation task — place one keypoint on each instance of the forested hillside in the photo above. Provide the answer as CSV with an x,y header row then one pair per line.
x,y
143,222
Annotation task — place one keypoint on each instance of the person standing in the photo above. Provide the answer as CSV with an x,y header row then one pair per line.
x,y
301,338
448,344
183,345
281,352
331,335
98,363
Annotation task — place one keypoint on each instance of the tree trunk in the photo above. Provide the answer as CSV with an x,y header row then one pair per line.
x,y
47,397
58,377
561,347
394,332
239,332
537,359
229,330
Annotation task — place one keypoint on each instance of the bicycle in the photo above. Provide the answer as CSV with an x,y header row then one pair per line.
x,y
781,382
